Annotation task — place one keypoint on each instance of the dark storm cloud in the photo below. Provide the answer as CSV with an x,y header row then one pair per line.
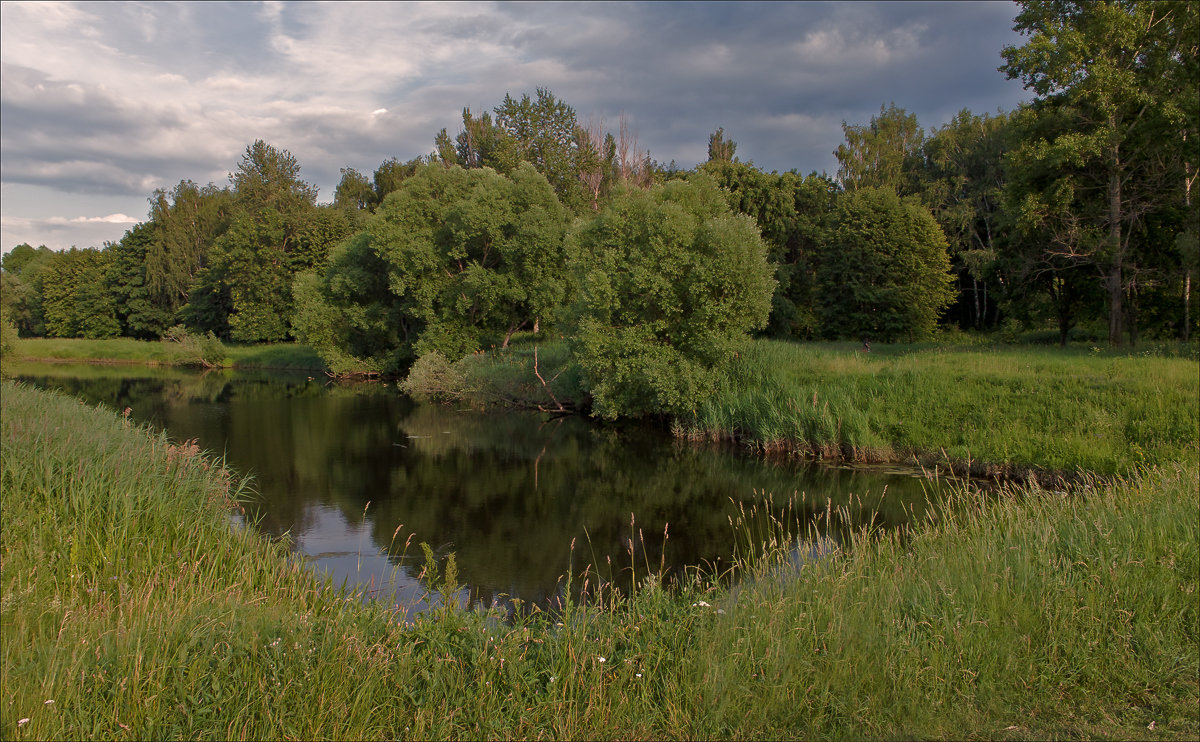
x,y
779,77
124,98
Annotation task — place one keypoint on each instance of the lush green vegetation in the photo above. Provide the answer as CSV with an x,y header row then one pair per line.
x,y
167,353
1074,210
131,605
988,409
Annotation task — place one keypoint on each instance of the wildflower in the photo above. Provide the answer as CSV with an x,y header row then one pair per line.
x,y
48,702
601,660
702,604
637,675
22,722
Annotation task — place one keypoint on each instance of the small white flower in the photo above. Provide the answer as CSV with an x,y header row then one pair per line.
x,y
601,660
47,703
702,604
638,675
22,722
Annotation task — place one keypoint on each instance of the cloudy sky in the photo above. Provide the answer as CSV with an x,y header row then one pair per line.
x,y
101,103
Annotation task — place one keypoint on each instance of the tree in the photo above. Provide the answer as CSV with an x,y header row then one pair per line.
x,y
964,178
884,154
545,133
354,193
139,315
277,231
186,222
268,177
672,282
1117,85
884,273
452,260
721,149
791,212
77,298
24,270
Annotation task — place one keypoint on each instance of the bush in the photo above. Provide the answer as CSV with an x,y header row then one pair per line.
x,y
196,350
8,335
433,378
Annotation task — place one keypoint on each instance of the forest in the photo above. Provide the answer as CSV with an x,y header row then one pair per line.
x,y
1072,216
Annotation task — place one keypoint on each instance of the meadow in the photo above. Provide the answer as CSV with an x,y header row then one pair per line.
x,y
131,606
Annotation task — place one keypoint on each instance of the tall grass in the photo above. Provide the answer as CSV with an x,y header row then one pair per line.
x,y
1002,410
132,607
1030,616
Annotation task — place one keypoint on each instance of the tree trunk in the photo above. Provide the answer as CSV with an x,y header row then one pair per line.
x,y
1115,287
975,286
1131,311
1187,306
1115,311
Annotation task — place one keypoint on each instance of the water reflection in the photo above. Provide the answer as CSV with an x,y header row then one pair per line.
x,y
354,473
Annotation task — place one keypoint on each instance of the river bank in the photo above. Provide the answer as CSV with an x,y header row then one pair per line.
x,y
133,606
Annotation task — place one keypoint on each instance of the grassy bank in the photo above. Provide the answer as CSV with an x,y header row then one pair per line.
x,y
132,607
989,410
159,353
1004,409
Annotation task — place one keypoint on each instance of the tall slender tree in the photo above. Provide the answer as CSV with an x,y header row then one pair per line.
x,y
1117,83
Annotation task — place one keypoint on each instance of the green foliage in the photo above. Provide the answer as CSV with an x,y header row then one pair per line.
x,y
8,334
24,270
544,132
76,297
671,283
884,273
721,149
433,378
1111,138
140,316
275,232
884,154
196,350
453,259
184,222
792,214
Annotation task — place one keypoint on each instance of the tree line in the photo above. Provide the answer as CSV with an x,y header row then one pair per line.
x,y
1074,208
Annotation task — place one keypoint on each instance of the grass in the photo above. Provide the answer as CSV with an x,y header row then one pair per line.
x,y
291,356
131,606
1002,410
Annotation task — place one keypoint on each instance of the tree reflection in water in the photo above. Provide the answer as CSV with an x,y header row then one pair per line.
x,y
506,492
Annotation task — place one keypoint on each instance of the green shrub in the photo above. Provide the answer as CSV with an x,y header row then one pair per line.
x,y
434,378
8,335
196,350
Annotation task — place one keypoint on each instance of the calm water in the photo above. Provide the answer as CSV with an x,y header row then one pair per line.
x,y
350,472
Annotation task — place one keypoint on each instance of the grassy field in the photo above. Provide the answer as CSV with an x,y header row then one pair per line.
x,y
131,607
156,352
1002,410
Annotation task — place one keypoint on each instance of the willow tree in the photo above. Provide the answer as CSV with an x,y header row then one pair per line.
x,y
671,283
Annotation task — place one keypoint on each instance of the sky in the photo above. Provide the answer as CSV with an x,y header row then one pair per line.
x,y
102,103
